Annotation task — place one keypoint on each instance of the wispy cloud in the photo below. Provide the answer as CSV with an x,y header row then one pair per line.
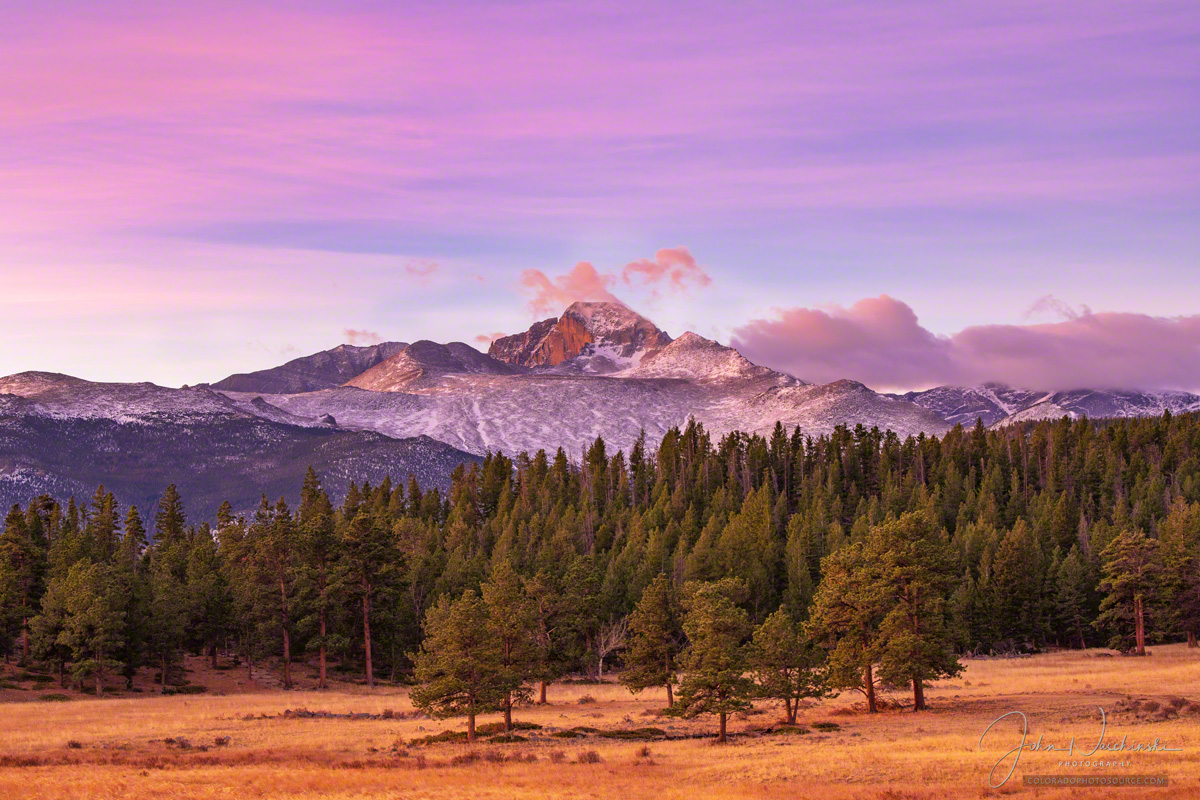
x,y
361,337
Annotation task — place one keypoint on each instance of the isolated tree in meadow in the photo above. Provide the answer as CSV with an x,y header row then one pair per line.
x,y
1132,573
916,572
512,621
368,557
716,658
459,666
847,610
655,641
786,665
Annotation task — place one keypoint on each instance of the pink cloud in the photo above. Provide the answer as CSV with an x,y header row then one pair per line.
x,y
488,338
674,267
552,295
880,342
361,337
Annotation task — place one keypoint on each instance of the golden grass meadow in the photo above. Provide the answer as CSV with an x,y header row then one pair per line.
x,y
238,740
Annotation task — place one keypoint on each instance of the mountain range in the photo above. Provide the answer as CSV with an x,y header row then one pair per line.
x,y
599,369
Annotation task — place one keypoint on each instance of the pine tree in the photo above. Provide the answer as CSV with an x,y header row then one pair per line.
x,y
93,619
847,611
512,620
168,608
321,551
368,557
916,575
786,665
459,664
716,658
1072,595
1132,572
656,635
170,518
21,567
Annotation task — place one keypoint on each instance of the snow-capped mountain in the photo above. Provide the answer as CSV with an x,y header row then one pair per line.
x,y
322,370
64,436
598,370
997,404
595,338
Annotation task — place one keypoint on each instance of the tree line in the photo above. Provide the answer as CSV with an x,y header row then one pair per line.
x,y
779,566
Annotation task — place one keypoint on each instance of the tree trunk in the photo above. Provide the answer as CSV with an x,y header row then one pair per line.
x,y
508,712
1140,622
721,735
287,639
471,726
869,679
99,675
793,706
249,664
162,677
670,696
212,654
918,695
542,694
367,634
24,634
1192,639
321,680
62,674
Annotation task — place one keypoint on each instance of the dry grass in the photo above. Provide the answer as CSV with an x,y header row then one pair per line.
x,y
244,745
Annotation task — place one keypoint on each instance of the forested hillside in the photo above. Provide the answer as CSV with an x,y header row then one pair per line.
x,y
886,559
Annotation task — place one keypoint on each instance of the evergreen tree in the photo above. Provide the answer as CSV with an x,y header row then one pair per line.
x,y
847,610
321,551
21,567
656,636
1131,580
916,574
787,666
459,664
368,559
93,619
512,620
715,660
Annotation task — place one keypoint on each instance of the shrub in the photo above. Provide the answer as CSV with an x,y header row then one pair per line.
x,y
420,761
588,757
439,738
191,689
643,751
74,745
792,730
586,699
221,741
566,734
54,698
557,756
634,733
827,726
387,714
506,738
1150,706
464,759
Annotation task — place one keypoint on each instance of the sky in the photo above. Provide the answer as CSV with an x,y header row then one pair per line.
x,y
900,193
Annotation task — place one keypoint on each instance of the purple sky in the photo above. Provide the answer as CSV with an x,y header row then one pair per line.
x,y
185,193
